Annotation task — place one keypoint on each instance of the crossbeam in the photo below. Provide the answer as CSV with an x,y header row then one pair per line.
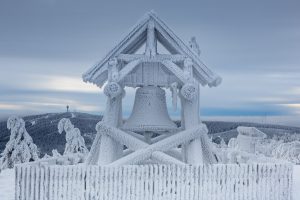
x,y
133,143
176,58
128,68
176,70
145,151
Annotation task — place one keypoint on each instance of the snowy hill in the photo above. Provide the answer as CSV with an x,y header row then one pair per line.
x,y
43,129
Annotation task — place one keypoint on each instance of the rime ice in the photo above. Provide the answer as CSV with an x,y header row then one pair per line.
x,y
20,147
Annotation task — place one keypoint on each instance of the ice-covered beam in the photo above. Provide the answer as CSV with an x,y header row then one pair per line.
x,y
163,145
188,68
176,58
141,137
172,152
128,68
104,149
151,43
165,158
158,138
134,143
176,70
113,72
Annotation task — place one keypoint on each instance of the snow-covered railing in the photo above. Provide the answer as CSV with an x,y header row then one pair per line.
x,y
145,182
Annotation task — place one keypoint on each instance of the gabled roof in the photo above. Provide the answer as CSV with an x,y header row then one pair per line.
x,y
136,38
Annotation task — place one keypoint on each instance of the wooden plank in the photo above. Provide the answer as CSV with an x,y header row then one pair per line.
x,y
127,69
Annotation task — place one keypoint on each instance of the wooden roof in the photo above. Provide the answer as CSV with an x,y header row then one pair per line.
x,y
136,37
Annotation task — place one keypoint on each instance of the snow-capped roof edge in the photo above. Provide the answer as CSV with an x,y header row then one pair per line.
x,y
95,73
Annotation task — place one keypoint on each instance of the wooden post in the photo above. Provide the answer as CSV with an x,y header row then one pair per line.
x,y
197,151
110,150
151,43
104,149
192,152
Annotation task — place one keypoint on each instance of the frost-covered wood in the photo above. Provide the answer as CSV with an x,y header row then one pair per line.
x,y
179,69
176,58
145,151
149,30
153,182
150,73
151,43
199,150
107,150
104,149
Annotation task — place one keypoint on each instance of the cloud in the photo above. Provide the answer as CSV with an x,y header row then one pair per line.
x,y
254,48
7,106
62,83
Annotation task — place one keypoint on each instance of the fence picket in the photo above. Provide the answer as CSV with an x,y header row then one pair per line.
x,y
149,182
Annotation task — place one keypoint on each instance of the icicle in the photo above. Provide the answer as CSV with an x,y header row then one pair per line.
x,y
174,91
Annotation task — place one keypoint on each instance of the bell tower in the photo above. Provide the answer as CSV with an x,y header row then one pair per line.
x,y
151,73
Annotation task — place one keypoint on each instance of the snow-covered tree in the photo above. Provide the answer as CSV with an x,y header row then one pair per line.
x,y
74,141
288,151
20,147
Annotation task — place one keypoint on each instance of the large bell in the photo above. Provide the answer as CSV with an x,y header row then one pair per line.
x,y
150,112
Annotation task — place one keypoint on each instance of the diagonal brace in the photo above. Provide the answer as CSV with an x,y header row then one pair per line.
x,y
146,152
134,143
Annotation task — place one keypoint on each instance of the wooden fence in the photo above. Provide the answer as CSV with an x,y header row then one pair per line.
x,y
154,182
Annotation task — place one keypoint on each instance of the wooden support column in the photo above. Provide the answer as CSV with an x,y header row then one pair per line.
x,y
105,149
110,150
198,151
192,152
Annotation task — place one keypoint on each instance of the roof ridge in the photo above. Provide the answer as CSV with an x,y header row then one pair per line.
x,y
133,38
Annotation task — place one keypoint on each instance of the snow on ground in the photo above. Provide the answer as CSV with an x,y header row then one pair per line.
x,y
296,183
7,184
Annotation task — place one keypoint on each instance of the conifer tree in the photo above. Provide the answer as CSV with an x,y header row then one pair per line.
x,y
74,141
20,147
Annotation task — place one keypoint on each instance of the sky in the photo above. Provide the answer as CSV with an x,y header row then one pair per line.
x,y
46,46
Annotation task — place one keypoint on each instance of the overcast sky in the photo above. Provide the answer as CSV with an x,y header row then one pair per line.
x,y
46,45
